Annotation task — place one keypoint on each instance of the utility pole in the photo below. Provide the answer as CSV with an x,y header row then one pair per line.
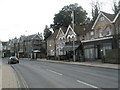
x,y
73,37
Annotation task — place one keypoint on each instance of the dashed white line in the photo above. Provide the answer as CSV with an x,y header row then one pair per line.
x,y
87,84
54,72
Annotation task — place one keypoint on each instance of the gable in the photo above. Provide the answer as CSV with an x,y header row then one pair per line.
x,y
70,31
36,37
117,17
102,18
60,33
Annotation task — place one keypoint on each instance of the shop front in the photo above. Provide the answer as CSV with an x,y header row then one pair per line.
x,y
96,49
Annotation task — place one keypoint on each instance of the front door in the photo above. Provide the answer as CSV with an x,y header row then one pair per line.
x,y
100,51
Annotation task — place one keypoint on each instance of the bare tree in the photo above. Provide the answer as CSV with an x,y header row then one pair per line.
x,y
116,7
96,7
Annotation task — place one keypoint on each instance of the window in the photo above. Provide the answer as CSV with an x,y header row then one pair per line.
x,y
68,37
108,31
83,37
106,46
102,19
91,35
60,39
100,33
72,36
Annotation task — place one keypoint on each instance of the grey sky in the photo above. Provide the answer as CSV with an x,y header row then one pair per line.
x,y
17,16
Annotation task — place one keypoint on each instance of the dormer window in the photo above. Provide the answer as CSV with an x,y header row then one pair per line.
x,y
108,31
100,33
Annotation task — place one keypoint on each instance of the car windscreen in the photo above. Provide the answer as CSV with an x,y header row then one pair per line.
x,y
13,58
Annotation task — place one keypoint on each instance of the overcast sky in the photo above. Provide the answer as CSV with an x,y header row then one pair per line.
x,y
25,17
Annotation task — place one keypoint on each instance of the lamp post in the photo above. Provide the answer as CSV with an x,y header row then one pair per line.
x,y
27,44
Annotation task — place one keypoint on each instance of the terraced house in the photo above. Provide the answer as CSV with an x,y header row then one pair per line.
x,y
51,45
101,37
30,46
87,41
65,43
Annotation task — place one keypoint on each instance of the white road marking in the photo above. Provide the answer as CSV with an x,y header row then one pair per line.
x,y
87,84
54,72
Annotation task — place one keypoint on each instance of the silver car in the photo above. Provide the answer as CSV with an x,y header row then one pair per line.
x,y
13,60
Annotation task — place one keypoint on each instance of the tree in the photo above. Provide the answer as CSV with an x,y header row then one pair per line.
x,y
63,18
116,7
96,6
47,32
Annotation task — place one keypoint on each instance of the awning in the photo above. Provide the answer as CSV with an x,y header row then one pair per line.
x,y
69,46
96,41
21,51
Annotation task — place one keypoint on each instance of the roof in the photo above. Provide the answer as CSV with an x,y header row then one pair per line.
x,y
69,46
109,17
63,30
118,15
22,38
29,37
81,29
53,36
70,28
14,40
4,43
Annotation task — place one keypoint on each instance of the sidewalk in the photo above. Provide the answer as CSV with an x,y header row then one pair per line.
x,y
92,64
0,74
9,79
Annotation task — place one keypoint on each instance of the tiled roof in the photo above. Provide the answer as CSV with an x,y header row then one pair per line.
x,y
64,29
81,29
29,37
53,36
109,16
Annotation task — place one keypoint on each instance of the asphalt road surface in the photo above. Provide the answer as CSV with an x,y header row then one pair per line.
x,y
38,74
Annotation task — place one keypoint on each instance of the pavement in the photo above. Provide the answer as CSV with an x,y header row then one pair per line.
x,y
9,78
87,63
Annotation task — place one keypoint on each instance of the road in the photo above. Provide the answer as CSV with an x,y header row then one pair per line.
x,y
39,74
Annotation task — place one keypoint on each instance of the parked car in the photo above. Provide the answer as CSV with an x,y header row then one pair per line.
x,y
13,60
